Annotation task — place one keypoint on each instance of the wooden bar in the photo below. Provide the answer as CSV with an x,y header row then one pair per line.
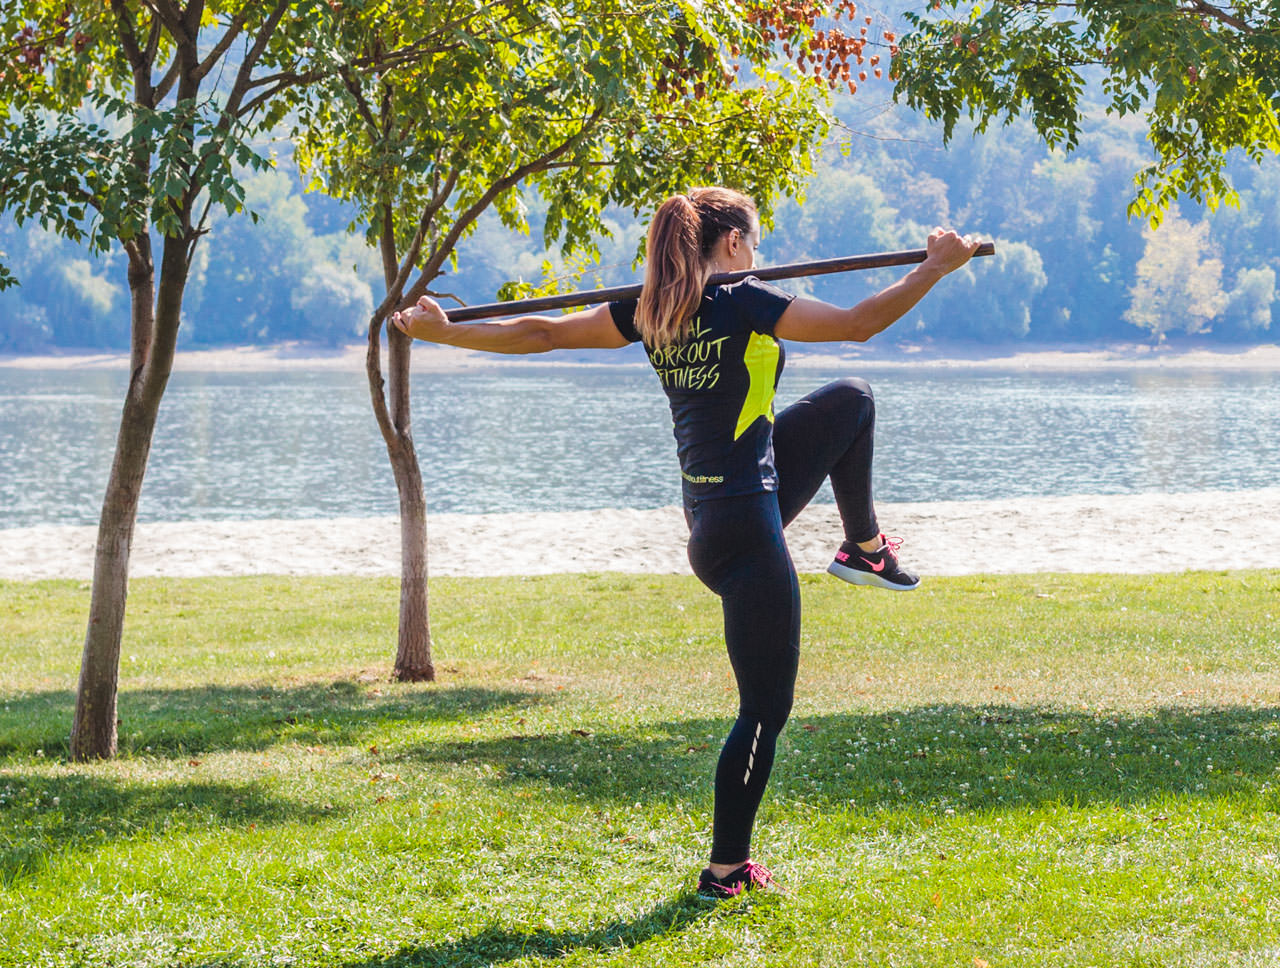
x,y
796,270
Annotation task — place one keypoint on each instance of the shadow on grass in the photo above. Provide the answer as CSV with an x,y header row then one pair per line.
x,y
496,946
42,817
201,719
45,815
955,756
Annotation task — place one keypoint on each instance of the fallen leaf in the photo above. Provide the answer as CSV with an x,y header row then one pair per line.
x,y
193,762
580,732
980,963
936,899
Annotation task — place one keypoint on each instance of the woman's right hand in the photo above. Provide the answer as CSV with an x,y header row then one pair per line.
x,y
948,250
425,320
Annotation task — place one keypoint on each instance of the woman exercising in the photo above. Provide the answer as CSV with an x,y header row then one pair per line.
x,y
746,473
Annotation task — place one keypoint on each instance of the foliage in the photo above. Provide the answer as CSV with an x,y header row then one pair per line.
x,y
1179,281
874,187
1204,75
579,106
1249,304
952,774
93,155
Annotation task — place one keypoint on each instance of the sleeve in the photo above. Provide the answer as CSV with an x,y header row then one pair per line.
x,y
623,312
762,304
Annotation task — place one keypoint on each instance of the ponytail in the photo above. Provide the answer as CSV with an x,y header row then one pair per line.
x,y
681,236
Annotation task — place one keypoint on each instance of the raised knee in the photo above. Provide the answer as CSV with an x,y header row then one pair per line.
x,y
852,395
856,388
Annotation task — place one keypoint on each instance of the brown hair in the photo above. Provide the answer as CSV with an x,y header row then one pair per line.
x,y
681,236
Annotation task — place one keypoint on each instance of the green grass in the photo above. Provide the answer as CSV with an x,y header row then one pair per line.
x,y
1030,771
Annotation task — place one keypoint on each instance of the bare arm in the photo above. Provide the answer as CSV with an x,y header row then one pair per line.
x,y
814,321
588,329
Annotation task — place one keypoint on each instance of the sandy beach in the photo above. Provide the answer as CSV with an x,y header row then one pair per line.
x,y
1144,533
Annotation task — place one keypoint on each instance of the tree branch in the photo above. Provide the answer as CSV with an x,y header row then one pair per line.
x,y
396,284
245,74
445,246
199,230
143,92
170,15
192,16
1217,13
223,45
153,39
284,79
362,103
170,78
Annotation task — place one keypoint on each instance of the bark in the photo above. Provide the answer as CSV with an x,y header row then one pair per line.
x,y
413,648
155,326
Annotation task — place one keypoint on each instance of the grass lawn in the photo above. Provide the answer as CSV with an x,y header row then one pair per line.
x,y
1035,771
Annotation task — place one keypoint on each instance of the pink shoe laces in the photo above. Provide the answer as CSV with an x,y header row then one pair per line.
x,y
750,876
892,542
757,875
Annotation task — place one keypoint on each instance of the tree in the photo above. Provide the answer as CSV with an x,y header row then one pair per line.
x,y
276,278
1249,308
1179,280
1206,76
580,104
122,123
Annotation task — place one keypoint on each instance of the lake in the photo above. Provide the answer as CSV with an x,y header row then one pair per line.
x,y
550,437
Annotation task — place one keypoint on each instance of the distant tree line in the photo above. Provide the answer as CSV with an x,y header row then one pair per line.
x,y
1070,266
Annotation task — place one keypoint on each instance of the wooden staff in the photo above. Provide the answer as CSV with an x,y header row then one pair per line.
x,y
795,270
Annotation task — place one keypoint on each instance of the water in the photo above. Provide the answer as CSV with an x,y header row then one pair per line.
x,y
546,437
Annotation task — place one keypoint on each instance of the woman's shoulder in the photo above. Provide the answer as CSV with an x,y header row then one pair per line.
x,y
749,304
750,287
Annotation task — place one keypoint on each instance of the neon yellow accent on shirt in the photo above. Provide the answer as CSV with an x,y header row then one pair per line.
x,y
761,359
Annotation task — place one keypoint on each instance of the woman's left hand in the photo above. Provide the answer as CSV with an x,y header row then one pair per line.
x,y
425,320
948,250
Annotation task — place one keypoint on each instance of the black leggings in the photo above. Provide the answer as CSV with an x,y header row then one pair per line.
x,y
737,549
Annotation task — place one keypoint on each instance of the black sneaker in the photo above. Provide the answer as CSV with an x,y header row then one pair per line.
x,y
749,877
878,568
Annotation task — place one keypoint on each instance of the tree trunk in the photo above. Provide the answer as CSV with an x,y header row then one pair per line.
x,y
93,731
413,648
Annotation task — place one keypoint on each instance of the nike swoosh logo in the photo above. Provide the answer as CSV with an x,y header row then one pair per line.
x,y
874,567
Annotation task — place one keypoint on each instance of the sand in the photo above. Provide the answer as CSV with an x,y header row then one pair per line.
x,y
1143,533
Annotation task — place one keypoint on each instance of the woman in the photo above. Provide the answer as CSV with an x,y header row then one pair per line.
x,y
746,474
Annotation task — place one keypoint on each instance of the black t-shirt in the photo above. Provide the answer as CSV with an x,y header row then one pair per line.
x,y
720,384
